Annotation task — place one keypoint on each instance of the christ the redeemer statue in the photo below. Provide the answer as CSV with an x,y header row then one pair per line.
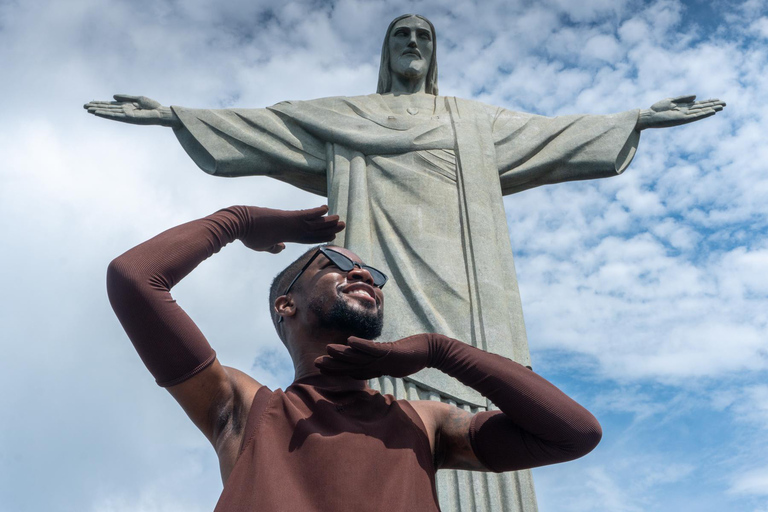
x,y
419,179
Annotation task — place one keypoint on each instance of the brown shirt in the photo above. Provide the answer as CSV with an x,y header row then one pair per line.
x,y
321,447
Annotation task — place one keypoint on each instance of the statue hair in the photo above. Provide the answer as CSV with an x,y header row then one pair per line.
x,y
385,73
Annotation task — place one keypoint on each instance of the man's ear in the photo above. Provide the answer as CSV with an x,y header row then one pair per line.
x,y
284,306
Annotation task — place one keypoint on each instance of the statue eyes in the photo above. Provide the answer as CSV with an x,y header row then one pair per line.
x,y
421,34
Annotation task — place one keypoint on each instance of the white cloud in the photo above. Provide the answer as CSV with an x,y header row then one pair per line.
x,y
657,276
753,482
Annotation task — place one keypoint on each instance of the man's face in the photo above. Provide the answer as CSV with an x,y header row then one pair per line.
x,y
410,47
344,301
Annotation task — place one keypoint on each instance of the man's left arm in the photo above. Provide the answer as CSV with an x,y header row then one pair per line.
x,y
537,424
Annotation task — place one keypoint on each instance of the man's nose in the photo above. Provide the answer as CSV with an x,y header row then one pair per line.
x,y
412,42
360,274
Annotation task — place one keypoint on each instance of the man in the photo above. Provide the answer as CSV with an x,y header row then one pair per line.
x,y
329,442
419,179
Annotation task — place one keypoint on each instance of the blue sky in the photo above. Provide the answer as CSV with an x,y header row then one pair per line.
x,y
644,295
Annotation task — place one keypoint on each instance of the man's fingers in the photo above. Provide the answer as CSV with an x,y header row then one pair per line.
x,y
348,355
277,248
313,213
329,366
368,347
325,234
321,223
333,367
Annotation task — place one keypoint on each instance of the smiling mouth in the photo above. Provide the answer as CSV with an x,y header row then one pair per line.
x,y
361,292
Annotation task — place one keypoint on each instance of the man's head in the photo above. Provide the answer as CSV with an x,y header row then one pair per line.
x,y
409,50
330,289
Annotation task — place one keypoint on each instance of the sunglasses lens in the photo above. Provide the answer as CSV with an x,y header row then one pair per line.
x,y
340,260
378,277
345,264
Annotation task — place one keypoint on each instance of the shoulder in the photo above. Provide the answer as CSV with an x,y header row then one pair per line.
x,y
333,101
438,414
448,429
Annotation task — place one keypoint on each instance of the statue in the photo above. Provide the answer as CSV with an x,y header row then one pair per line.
x,y
425,173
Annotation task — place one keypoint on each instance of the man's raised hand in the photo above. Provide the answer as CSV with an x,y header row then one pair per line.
x,y
269,228
134,110
677,111
364,359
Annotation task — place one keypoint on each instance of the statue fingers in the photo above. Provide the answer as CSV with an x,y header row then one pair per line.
x,y
688,98
107,107
96,103
109,114
715,104
126,98
694,115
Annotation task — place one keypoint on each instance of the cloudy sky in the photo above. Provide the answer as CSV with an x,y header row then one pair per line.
x,y
645,295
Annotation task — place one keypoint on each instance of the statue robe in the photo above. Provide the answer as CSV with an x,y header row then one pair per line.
x,y
421,193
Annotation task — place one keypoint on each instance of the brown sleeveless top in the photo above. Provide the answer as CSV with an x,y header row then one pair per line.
x,y
321,446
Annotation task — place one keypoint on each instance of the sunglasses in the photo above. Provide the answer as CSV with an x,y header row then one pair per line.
x,y
344,264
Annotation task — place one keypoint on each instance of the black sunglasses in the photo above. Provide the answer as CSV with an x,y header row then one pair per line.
x,y
344,264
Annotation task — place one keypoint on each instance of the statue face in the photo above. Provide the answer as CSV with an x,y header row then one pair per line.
x,y
410,48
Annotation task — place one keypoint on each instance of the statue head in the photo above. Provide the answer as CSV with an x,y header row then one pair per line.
x,y
385,69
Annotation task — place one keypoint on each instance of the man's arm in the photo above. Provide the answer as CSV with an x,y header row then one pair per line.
x,y
537,424
170,344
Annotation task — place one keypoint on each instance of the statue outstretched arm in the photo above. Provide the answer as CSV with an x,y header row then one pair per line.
x,y
677,111
134,110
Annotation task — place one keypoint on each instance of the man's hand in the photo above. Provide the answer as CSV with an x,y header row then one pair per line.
x,y
269,228
133,110
364,359
677,111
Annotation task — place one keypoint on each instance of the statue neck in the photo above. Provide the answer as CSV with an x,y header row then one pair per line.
x,y
407,85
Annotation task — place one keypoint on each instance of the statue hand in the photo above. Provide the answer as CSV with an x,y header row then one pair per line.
x,y
677,111
133,110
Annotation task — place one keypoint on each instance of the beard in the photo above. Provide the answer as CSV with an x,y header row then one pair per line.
x,y
364,322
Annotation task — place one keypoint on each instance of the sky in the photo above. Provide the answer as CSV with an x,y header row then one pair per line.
x,y
645,295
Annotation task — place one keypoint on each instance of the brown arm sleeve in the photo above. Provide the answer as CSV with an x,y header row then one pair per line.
x,y
139,283
537,423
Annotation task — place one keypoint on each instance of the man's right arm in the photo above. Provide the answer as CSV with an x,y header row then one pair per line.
x,y
168,341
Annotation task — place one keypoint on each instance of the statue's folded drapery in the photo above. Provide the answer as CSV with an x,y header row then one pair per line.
x,y
421,193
